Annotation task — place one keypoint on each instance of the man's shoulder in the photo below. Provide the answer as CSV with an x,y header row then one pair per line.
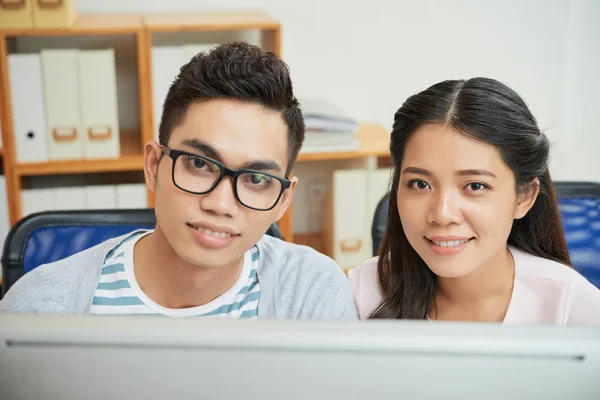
x,y
302,283
288,258
59,287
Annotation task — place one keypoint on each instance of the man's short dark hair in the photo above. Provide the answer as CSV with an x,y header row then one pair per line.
x,y
239,71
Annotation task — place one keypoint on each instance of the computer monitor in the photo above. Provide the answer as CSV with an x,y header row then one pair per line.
x,y
113,358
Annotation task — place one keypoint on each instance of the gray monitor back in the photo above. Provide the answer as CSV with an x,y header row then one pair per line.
x,y
112,358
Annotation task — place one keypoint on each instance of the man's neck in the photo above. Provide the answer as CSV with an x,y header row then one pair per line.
x,y
484,294
173,282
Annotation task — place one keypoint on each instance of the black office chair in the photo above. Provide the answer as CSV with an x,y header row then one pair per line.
x,y
579,204
380,222
50,236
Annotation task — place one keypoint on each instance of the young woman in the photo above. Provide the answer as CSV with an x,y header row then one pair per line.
x,y
474,231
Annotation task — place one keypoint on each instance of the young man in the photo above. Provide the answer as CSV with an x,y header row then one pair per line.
x,y
230,132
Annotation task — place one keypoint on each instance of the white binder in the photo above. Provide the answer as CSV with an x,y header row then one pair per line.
x,y
53,13
98,93
100,197
166,62
132,195
348,209
16,14
27,97
62,103
36,200
69,198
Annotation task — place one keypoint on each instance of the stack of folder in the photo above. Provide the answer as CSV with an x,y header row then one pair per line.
x,y
27,14
328,127
64,105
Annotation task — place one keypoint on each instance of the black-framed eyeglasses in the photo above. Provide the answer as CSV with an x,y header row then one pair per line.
x,y
198,174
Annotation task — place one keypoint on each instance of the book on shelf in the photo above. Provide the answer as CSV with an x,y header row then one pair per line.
x,y
328,127
327,148
316,123
329,142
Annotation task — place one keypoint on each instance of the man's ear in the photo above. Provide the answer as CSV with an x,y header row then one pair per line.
x,y
527,199
152,156
286,198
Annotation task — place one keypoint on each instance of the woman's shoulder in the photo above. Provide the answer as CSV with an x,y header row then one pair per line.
x,y
364,281
575,299
535,267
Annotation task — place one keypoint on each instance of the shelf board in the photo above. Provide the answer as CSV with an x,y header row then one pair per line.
x,y
124,163
209,21
87,24
131,159
375,141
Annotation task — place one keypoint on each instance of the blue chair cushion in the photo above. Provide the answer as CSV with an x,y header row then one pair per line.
x,y
581,222
53,243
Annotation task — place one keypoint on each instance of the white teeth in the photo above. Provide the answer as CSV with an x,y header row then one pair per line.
x,y
450,243
215,234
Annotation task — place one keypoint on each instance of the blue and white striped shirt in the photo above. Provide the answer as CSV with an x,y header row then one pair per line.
x,y
119,293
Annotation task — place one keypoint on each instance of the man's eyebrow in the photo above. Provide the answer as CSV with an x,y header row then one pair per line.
x,y
211,152
203,147
263,165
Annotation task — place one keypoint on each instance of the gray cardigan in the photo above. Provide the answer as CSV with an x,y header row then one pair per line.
x,y
295,281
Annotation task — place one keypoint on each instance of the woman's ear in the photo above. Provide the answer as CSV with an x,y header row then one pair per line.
x,y
527,199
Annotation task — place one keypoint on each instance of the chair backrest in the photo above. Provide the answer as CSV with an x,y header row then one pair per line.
x,y
380,222
579,204
50,236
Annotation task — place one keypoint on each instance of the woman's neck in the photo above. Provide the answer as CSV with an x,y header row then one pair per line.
x,y
483,295
175,283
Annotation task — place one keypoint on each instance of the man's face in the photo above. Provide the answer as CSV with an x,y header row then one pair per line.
x,y
214,230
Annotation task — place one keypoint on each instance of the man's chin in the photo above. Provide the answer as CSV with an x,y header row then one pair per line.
x,y
211,258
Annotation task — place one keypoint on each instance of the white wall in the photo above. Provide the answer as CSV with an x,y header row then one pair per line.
x,y
582,92
368,56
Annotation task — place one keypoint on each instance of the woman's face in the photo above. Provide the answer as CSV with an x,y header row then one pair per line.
x,y
456,200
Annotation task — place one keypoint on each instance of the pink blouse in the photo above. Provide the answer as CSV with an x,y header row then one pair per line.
x,y
544,292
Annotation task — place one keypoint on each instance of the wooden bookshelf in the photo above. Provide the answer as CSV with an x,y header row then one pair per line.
x,y
88,24
132,145
142,27
131,159
374,139
124,163
269,28
374,142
